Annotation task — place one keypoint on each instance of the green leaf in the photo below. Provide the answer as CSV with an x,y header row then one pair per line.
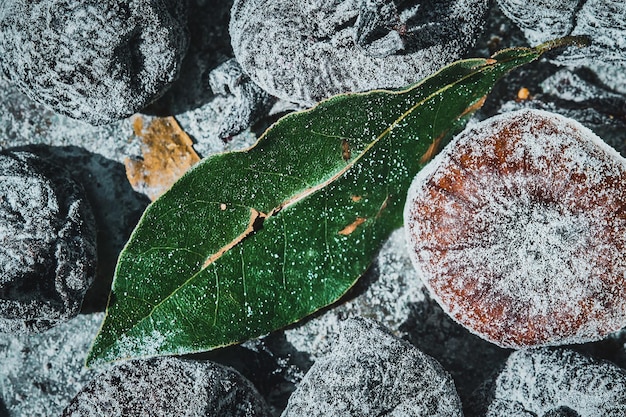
x,y
249,242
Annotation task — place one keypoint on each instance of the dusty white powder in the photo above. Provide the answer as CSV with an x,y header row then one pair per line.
x,y
559,382
304,51
47,244
97,61
163,387
40,373
24,221
518,228
603,21
370,372
25,122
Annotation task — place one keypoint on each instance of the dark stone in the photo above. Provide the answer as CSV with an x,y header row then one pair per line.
x,y
47,244
212,99
603,21
242,101
96,61
116,208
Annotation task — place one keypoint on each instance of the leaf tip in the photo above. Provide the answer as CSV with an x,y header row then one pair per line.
x,y
580,41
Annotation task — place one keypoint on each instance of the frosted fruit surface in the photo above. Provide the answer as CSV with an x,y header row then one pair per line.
x,y
519,228
47,244
95,61
304,51
548,382
370,372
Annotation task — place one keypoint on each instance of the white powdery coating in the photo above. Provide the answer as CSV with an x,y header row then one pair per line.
x,y
41,373
24,121
96,61
611,73
304,51
29,216
603,21
237,103
544,380
370,372
569,86
541,20
164,387
47,244
28,220
518,228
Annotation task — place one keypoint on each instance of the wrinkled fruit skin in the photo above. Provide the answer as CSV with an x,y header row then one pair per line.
x,y
96,61
603,21
165,387
371,372
552,383
47,244
304,51
518,229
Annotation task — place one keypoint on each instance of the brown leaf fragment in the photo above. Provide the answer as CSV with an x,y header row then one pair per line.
x,y
356,198
432,149
167,154
352,226
346,153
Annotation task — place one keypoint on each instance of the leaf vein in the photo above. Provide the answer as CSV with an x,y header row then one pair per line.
x,y
169,249
279,174
284,253
217,295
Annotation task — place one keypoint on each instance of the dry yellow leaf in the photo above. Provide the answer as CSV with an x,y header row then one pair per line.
x,y
167,153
